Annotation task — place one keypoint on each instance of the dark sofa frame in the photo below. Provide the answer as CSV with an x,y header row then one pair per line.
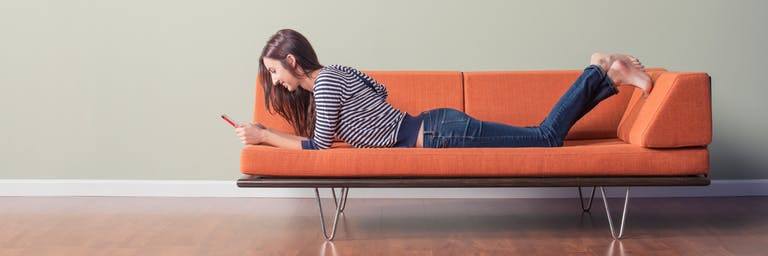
x,y
465,182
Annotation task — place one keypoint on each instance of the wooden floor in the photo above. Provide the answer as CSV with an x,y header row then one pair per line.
x,y
259,226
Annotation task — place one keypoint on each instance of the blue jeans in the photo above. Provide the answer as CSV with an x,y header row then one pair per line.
x,y
451,128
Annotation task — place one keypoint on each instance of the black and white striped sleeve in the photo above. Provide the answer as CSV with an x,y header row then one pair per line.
x,y
328,91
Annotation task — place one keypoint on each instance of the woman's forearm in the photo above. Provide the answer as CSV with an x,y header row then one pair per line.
x,y
283,140
287,135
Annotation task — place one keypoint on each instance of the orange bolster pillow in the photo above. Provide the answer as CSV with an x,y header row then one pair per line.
x,y
678,113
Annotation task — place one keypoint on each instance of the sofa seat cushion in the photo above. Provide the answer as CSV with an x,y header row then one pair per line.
x,y
595,157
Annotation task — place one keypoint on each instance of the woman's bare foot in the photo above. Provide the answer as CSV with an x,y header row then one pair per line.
x,y
604,60
626,69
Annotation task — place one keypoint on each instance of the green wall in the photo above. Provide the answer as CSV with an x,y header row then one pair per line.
x,y
133,89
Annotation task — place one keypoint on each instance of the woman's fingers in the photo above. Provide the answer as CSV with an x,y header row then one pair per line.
x,y
244,125
255,130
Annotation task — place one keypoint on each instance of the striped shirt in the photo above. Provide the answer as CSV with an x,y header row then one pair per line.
x,y
351,106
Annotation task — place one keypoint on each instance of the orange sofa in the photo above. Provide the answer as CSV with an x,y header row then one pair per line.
x,y
625,141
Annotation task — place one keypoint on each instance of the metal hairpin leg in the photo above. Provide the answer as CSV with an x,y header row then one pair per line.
x,y
581,199
623,214
343,195
339,208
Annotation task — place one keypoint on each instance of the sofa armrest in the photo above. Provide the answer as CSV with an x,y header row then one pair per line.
x,y
678,113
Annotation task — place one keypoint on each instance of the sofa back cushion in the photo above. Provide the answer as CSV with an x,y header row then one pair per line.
x,y
524,98
417,91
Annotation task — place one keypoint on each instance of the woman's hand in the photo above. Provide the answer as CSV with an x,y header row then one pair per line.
x,y
250,133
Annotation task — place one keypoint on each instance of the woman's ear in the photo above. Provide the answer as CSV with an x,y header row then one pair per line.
x,y
292,63
291,60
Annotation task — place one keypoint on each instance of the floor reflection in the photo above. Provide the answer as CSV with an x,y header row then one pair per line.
x,y
615,248
328,249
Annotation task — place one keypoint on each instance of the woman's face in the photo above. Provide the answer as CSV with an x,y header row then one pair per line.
x,y
280,75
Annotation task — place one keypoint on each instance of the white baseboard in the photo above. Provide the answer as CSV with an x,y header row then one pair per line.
x,y
218,188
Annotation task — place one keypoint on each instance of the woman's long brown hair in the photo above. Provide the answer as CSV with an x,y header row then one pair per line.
x,y
296,107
